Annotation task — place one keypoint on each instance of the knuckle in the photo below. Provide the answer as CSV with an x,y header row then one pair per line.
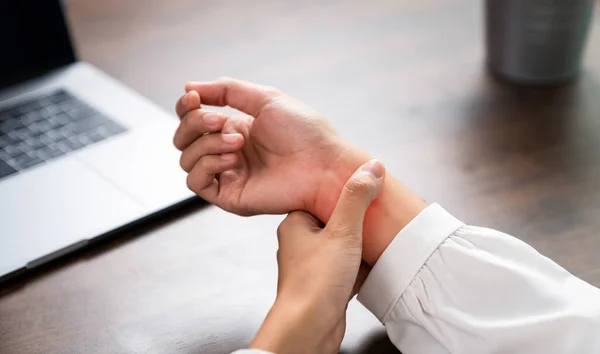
x,y
194,122
225,79
358,187
281,229
190,182
340,231
288,223
296,217
176,142
272,91
228,82
182,131
204,163
182,162
189,121
347,235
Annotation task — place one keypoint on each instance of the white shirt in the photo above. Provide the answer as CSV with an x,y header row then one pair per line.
x,y
445,287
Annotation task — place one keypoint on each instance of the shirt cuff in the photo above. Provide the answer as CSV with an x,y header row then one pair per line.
x,y
404,257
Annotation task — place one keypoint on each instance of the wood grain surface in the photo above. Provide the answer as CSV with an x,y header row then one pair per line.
x,y
403,79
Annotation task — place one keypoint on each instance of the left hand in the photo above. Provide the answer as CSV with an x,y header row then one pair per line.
x,y
319,271
279,155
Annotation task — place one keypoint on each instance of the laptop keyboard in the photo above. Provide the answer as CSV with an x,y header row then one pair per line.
x,y
39,130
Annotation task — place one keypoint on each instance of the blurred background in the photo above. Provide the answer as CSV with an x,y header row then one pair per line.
x,y
405,80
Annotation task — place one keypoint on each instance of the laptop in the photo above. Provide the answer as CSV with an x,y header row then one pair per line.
x,y
81,155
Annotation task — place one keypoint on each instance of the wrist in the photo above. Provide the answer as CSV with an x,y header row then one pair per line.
x,y
348,159
393,209
284,329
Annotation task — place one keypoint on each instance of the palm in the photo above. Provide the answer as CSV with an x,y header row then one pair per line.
x,y
287,147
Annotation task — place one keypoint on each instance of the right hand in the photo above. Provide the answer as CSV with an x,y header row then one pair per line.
x,y
277,157
320,271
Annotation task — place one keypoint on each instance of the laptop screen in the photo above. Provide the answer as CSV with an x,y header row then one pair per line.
x,y
33,39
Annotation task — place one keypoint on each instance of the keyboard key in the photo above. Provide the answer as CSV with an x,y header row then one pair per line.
x,y
50,111
65,133
7,140
74,143
21,134
34,143
20,110
54,122
6,170
63,119
113,128
13,151
26,161
44,153
86,124
45,102
46,140
24,146
9,125
59,96
64,146
84,140
53,151
44,125
4,156
54,135
36,130
34,161
94,135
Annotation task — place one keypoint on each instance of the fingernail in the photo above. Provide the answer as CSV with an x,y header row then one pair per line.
x,y
231,138
184,99
210,119
190,85
374,168
227,157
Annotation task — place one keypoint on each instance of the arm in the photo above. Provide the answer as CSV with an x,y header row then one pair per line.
x,y
281,156
445,287
395,207
439,286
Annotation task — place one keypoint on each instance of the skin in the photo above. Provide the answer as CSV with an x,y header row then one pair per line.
x,y
318,270
280,156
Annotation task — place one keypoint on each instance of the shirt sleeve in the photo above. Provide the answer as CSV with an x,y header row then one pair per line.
x,y
445,287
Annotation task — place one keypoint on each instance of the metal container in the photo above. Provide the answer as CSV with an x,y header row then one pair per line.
x,y
537,42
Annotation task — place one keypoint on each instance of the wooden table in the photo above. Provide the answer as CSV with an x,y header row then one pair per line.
x,y
403,79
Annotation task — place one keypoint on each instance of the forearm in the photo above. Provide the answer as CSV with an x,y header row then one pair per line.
x,y
444,287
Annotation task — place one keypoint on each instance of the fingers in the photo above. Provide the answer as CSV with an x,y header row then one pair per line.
x,y
195,124
211,144
186,103
297,220
247,97
358,193
202,175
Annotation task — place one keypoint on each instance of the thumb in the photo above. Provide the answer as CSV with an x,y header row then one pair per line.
x,y
358,193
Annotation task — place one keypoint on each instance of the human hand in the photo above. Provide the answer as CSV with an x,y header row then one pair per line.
x,y
319,272
278,156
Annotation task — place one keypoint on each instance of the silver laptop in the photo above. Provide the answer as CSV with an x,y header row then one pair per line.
x,y
80,154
